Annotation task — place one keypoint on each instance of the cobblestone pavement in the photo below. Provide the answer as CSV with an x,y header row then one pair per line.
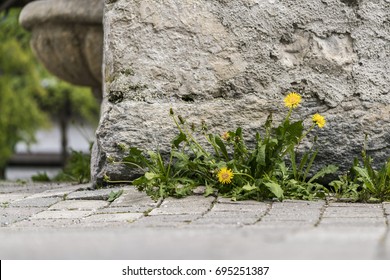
x,y
59,221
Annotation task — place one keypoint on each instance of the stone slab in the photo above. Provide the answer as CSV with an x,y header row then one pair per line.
x,y
166,221
138,201
100,194
62,191
47,223
284,224
6,199
258,207
79,205
353,222
31,188
119,210
11,215
117,217
36,202
189,205
61,214
353,212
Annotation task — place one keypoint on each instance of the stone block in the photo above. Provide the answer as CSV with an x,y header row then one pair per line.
x,y
101,194
79,205
117,217
36,202
347,222
354,212
138,201
61,214
230,63
6,199
258,207
166,221
188,205
11,215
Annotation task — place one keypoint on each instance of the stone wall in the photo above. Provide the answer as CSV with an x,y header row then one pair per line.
x,y
230,63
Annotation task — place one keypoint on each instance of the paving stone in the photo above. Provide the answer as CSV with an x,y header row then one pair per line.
x,y
354,204
79,205
138,201
214,220
166,220
47,223
241,207
353,212
233,214
284,224
346,234
386,245
386,206
6,199
31,188
36,202
119,217
11,215
298,204
130,209
352,222
205,226
101,194
188,205
63,191
284,218
294,212
62,214
224,200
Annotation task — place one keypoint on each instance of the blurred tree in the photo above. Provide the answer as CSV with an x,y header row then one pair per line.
x,y
20,115
67,104
30,96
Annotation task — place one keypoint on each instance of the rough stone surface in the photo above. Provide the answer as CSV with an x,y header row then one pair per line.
x,y
230,63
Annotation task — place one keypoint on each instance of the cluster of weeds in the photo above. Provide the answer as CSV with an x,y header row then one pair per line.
x,y
227,166
363,182
77,169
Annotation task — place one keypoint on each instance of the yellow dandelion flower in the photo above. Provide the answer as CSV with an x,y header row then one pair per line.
x,y
225,175
319,120
225,136
292,100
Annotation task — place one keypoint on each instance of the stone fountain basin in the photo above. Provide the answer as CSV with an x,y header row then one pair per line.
x,y
67,37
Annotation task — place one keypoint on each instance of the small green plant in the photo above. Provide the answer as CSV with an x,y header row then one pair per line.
x,y
228,166
4,204
41,177
114,195
77,169
364,182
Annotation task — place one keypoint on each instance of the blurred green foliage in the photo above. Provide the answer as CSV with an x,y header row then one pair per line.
x,y
29,96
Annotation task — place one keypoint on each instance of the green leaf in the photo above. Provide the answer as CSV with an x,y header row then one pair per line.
x,y
249,187
114,195
365,177
150,175
260,157
135,156
294,132
209,190
222,146
330,169
275,188
179,139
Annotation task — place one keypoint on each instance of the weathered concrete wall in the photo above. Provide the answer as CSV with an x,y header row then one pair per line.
x,y
230,63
